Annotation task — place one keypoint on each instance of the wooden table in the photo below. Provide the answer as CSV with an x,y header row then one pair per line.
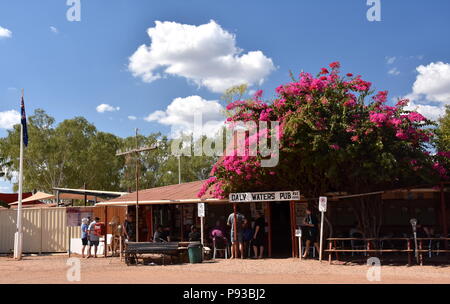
x,y
421,251
332,246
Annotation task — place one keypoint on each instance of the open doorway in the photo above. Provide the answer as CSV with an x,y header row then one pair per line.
x,y
281,230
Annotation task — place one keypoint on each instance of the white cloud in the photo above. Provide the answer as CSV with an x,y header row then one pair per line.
x,y
433,82
429,111
54,30
9,118
5,33
205,54
131,117
390,60
180,115
106,108
431,90
394,71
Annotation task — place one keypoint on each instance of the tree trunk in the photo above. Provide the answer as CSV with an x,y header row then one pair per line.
x,y
369,212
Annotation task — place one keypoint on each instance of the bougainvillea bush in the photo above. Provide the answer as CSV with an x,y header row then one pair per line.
x,y
336,134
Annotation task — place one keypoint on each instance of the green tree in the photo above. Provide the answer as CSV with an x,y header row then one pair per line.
x,y
68,155
443,132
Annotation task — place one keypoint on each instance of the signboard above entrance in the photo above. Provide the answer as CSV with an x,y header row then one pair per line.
x,y
264,196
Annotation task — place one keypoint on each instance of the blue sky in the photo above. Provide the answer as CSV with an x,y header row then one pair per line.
x,y
71,70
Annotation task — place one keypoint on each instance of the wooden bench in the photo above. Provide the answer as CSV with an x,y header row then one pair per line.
x,y
134,251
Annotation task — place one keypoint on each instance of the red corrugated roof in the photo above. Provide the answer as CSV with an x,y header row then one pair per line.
x,y
173,192
13,197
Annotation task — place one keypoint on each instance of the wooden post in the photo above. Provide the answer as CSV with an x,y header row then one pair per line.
x,y
182,223
269,208
234,236
105,250
330,247
444,215
150,229
294,249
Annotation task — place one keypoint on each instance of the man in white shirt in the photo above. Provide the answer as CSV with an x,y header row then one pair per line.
x,y
93,237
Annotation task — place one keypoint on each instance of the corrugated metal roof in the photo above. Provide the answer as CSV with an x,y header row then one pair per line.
x,y
12,197
185,191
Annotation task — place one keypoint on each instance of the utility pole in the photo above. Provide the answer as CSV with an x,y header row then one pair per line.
x,y
137,152
179,169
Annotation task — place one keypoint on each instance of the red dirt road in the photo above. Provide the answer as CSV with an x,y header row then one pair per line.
x,y
53,269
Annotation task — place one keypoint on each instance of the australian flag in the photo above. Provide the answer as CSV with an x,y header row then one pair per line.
x,y
24,123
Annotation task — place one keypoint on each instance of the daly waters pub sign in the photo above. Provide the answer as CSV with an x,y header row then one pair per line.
x,y
264,196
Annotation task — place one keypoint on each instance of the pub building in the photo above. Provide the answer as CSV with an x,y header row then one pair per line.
x,y
175,208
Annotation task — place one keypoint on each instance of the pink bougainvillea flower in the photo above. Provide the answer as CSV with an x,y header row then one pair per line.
x,y
416,117
335,147
335,65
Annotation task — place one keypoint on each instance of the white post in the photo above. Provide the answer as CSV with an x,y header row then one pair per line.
x,y
321,237
300,247
18,237
201,229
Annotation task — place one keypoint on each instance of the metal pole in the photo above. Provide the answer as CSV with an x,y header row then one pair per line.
x,y
201,230
300,247
179,169
19,236
70,234
85,195
321,237
137,189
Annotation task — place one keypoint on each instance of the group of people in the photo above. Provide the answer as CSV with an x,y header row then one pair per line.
x,y
244,235
89,236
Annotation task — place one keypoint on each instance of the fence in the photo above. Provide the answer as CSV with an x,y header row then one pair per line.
x,y
44,230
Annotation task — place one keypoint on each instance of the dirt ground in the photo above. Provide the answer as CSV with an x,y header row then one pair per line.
x,y
53,269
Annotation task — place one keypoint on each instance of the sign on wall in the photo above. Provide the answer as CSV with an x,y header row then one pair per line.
x,y
75,214
264,196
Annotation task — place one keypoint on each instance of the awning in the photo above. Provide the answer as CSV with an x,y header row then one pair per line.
x,y
66,193
164,202
39,196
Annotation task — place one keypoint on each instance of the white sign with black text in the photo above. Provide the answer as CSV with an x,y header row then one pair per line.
x,y
264,196
323,204
201,209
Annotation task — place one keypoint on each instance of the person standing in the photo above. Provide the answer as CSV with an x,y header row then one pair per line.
x,y
84,234
194,235
129,228
94,239
259,235
240,218
311,224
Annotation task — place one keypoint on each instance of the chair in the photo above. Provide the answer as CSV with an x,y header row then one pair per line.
x,y
220,244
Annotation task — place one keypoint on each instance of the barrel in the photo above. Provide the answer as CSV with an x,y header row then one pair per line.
x,y
195,253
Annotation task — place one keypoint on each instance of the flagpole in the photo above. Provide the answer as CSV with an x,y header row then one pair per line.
x,y
18,240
